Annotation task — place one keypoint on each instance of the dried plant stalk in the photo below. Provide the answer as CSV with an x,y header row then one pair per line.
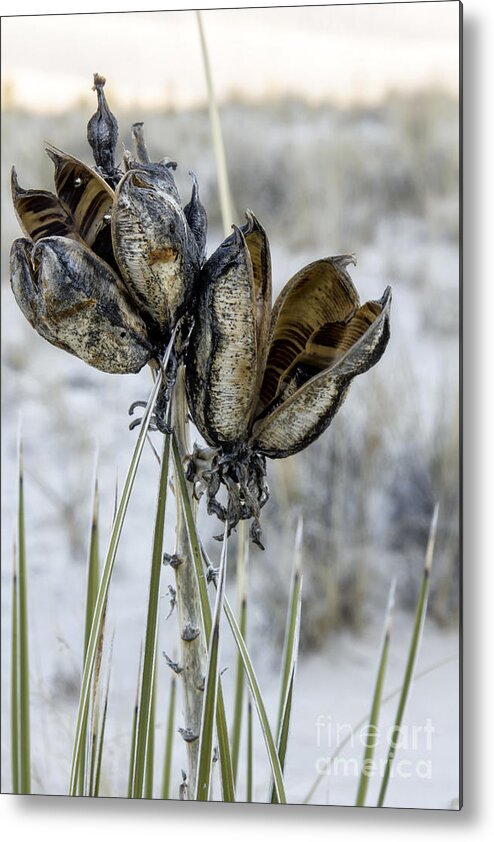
x,y
193,655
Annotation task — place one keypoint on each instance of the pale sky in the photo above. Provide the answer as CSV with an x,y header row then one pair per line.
x,y
342,53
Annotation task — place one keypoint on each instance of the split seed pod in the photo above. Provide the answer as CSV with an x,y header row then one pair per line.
x,y
154,246
227,345
107,274
267,384
75,301
321,338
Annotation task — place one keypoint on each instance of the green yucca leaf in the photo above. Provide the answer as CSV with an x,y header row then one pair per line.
x,y
376,702
211,685
14,679
170,732
412,655
242,563
100,739
23,647
149,661
290,653
260,707
133,738
250,751
93,567
93,717
91,594
106,575
149,770
292,630
256,694
285,727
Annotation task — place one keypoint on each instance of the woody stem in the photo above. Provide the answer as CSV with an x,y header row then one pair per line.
x,y
193,653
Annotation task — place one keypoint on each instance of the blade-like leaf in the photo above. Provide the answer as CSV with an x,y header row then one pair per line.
x,y
259,703
211,686
91,594
376,702
135,715
290,654
100,735
149,661
250,751
99,752
242,562
170,732
149,770
92,567
24,723
256,693
291,630
14,680
412,655
108,570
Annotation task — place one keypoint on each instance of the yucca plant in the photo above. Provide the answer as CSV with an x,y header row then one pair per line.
x,y
113,269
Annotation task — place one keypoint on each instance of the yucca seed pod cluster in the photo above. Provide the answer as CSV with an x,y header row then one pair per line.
x,y
109,262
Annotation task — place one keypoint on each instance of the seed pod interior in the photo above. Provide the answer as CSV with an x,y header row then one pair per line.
x,y
306,410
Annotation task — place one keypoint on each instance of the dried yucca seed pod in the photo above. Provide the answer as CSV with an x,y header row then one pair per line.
x,y
153,244
76,302
313,386
138,240
264,384
102,135
227,347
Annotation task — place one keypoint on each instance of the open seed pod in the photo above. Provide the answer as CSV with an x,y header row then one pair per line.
x,y
75,301
155,249
227,346
321,339
264,384
136,240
